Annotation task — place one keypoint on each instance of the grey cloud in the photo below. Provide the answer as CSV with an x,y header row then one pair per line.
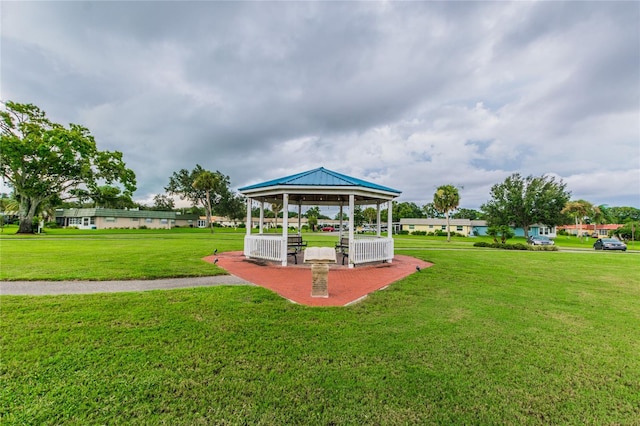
x,y
381,90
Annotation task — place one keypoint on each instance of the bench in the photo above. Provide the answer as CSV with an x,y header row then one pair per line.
x,y
294,244
343,248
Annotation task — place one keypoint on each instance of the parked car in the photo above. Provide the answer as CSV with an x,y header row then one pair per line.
x,y
327,229
609,244
540,240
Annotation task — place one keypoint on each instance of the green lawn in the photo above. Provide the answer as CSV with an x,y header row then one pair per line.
x,y
483,337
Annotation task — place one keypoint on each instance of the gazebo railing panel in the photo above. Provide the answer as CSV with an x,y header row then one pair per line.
x,y
371,250
268,247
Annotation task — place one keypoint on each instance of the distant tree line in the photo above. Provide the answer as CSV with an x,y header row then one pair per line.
x,y
49,166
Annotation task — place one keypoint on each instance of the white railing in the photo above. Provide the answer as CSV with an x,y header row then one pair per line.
x,y
371,250
268,247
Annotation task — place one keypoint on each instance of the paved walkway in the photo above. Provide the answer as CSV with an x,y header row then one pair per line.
x,y
85,287
292,282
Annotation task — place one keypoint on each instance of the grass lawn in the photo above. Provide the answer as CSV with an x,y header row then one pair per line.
x,y
483,337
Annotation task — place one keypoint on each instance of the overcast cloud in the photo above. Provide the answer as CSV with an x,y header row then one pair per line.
x,y
409,95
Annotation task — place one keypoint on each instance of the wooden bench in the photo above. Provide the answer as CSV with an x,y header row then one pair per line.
x,y
294,244
343,248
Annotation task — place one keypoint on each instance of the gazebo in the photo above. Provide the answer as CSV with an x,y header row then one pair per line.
x,y
319,187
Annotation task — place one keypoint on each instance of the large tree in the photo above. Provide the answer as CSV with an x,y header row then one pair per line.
x,y
207,182
446,199
42,160
406,210
430,211
624,214
206,192
163,202
470,214
521,201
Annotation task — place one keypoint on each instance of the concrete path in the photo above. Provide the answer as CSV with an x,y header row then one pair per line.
x,y
85,287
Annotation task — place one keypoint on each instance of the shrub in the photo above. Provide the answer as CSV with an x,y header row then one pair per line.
x,y
423,233
505,246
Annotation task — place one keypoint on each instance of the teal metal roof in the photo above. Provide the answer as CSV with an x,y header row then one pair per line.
x,y
319,177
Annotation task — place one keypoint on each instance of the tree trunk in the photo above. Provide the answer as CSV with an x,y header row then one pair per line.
x,y
27,212
209,223
448,230
526,231
579,228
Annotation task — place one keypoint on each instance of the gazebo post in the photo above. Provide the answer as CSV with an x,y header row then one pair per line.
x,y
390,225
299,218
285,227
352,203
341,227
390,219
378,219
248,216
261,226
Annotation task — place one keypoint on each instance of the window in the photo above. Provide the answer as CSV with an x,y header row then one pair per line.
x,y
109,219
149,220
75,221
202,223
92,220
412,227
431,226
444,227
164,221
459,228
134,219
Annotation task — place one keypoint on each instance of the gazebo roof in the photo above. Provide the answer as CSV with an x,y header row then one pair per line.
x,y
319,186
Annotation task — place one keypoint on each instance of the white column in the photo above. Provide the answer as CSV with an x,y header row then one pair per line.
x,y
261,226
378,224
299,218
285,227
341,227
390,219
352,204
248,216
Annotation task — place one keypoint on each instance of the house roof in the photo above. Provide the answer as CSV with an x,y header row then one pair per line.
x,y
319,186
99,212
440,222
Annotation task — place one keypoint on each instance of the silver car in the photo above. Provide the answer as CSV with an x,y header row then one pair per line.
x,y
540,240
609,244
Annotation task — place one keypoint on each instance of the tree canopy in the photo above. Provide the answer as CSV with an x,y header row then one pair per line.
x,y
42,160
579,210
526,201
213,186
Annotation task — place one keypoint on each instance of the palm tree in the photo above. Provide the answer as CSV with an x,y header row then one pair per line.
x,y
578,209
276,207
207,182
445,200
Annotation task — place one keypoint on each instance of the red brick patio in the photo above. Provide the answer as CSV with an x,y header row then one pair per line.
x,y
293,282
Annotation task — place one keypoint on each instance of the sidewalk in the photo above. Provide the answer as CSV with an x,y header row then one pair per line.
x,y
38,288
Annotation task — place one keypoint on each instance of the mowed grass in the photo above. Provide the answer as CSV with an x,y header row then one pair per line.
x,y
482,337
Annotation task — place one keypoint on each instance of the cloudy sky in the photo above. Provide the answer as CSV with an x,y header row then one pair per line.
x,y
410,95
